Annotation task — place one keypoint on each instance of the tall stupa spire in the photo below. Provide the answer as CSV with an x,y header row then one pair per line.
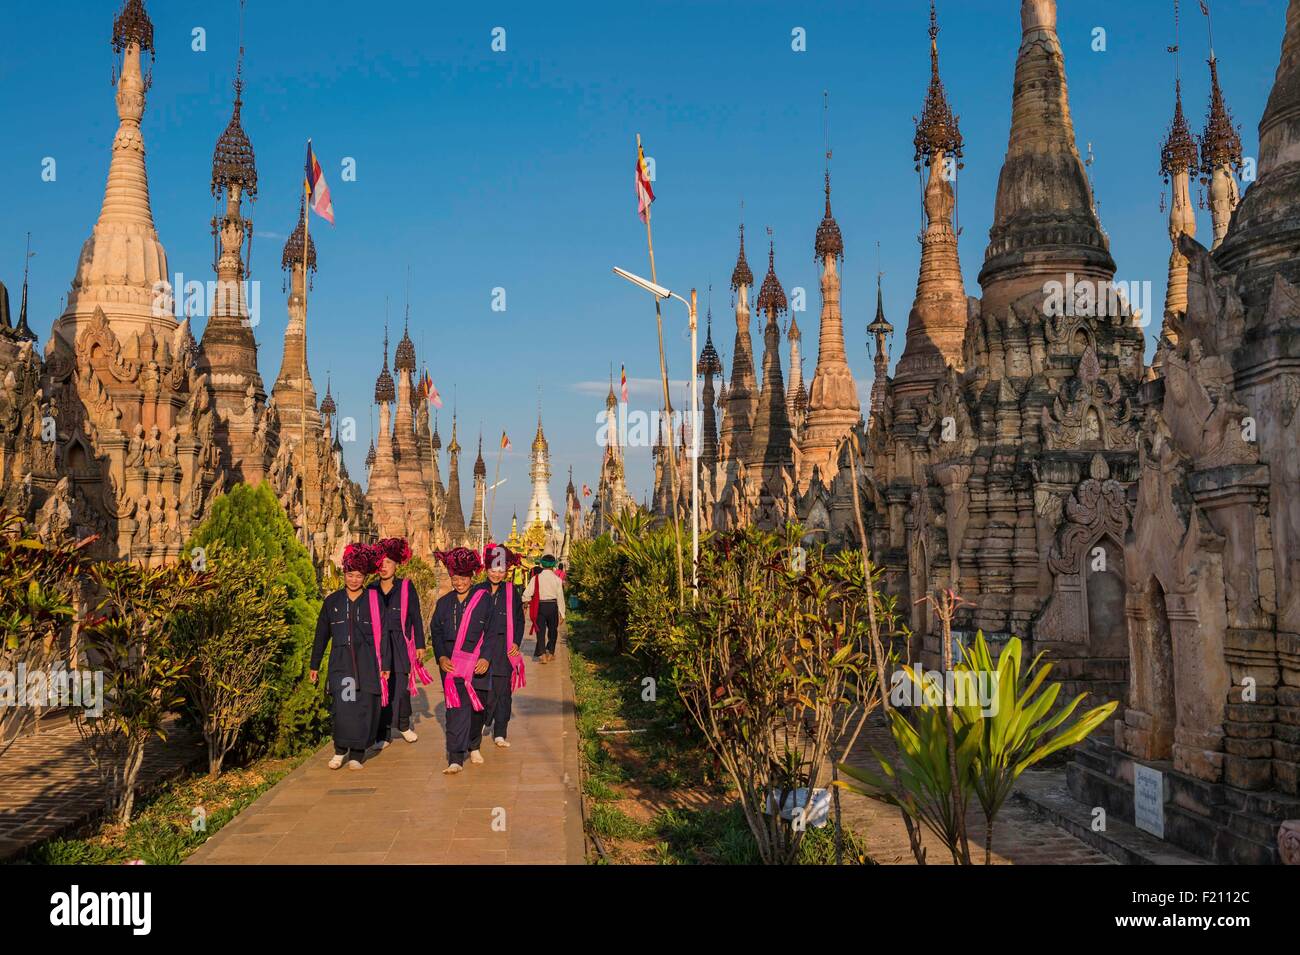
x,y
833,399
709,366
229,352
1178,163
1265,230
295,376
742,394
453,519
540,506
1044,224
770,448
880,331
123,263
1221,157
480,528
936,325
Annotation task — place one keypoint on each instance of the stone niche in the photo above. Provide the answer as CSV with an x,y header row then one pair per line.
x,y
1083,625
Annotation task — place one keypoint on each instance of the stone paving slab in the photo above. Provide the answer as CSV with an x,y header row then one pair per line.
x,y
49,786
520,806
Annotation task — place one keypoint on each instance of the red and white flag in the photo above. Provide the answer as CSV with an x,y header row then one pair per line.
x,y
623,381
318,192
645,193
586,491
430,392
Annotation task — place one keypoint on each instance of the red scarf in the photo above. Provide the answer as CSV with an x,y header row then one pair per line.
x,y
535,603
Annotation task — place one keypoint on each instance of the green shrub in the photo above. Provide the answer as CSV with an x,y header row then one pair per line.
x,y
295,714
596,574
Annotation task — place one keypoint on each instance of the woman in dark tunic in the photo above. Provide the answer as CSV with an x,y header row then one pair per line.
x,y
456,611
402,635
505,634
354,665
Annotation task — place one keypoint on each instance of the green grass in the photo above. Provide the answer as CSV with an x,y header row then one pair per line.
x,y
722,837
162,832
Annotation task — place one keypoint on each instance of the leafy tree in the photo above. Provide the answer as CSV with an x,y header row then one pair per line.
x,y
127,639
248,518
774,666
424,578
38,591
234,633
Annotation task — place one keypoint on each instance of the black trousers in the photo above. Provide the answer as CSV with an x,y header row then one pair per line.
x,y
501,704
548,627
360,754
398,711
464,726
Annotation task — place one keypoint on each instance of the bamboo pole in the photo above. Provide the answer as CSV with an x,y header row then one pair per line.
x,y
668,406
306,217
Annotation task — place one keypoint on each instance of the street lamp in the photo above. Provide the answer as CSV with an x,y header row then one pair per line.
x,y
659,292
482,533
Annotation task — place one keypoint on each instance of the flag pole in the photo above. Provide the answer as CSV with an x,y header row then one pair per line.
x,y
496,478
668,407
306,217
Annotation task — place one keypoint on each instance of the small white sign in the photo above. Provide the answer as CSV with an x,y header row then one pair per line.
x,y
1149,800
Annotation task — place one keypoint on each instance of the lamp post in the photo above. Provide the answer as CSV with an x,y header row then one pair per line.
x,y
482,533
659,292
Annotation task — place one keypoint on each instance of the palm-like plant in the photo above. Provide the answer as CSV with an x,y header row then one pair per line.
x,y
1021,728
992,744
919,783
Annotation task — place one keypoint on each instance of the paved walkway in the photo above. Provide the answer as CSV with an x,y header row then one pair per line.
x,y
48,784
519,806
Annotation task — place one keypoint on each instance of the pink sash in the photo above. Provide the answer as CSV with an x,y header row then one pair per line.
x,y
517,679
417,665
463,662
379,656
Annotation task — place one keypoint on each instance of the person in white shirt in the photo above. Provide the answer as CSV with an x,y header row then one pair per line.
x,y
546,591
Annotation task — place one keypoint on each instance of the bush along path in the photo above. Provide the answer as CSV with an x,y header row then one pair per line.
x,y
652,794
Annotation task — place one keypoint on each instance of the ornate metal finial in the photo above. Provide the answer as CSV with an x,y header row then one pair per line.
x,y
232,160
1221,142
936,128
370,455
709,363
454,447
1178,154
771,296
292,255
385,391
404,357
23,331
327,405
133,26
828,240
741,275
480,469
435,442
881,326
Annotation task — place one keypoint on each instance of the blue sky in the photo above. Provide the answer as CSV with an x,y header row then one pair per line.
x,y
482,170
